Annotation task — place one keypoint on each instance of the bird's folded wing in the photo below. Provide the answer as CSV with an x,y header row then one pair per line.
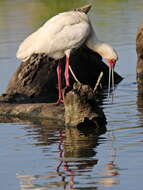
x,y
62,32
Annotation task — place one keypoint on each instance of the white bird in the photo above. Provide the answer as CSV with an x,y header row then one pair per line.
x,y
59,36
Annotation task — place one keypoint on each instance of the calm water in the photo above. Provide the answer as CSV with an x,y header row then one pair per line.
x,y
43,155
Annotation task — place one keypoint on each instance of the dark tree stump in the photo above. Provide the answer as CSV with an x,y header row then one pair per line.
x,y
34,79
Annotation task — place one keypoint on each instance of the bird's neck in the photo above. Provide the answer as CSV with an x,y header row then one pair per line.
x,y
105,50
94,43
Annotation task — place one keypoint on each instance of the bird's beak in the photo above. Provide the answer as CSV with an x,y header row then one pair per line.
x,y
111,64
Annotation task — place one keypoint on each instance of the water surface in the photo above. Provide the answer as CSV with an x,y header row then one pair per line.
x,y
43,155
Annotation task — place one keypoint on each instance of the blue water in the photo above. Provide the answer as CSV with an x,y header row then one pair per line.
x,y
43,155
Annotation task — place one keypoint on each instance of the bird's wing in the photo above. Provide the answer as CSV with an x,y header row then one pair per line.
x,y
64,31
69,37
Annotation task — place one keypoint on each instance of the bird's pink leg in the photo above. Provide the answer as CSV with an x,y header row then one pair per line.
x,y
59,70
67,71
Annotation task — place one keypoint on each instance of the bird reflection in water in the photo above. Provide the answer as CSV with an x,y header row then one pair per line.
x,y
64,163
76,158
74,151
111,170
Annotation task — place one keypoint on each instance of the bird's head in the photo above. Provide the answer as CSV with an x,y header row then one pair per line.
x,y
108,53
105,51
112,62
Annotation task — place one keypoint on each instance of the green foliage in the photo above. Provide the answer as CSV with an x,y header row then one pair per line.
x,y
52,7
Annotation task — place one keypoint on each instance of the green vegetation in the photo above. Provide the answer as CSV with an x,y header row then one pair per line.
x,y
49,8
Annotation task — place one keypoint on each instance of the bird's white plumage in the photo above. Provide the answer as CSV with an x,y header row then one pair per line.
x,y
63,32
105,50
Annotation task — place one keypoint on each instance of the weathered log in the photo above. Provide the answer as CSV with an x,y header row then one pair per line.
x,y
34,80
82,110
31,111
139,51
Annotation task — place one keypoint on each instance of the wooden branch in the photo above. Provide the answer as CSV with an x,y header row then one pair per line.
x,y
98,82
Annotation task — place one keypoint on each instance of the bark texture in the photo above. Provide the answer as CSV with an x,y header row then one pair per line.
x,y
139,50
82,110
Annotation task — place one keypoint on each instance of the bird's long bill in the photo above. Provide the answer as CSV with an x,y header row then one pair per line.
x,y
109,81
111,78
113,86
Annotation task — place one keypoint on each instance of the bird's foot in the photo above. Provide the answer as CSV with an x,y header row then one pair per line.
x,y
59,101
